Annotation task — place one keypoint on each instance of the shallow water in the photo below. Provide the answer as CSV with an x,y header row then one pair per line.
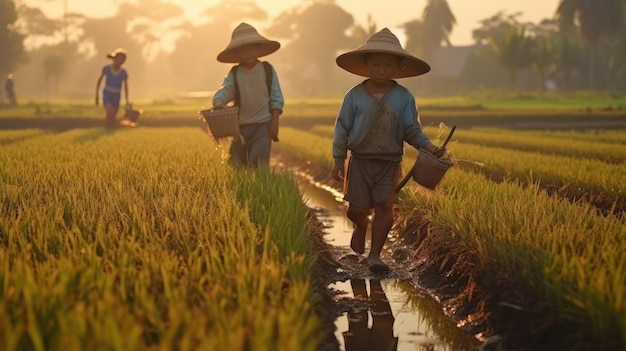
x,y
396,312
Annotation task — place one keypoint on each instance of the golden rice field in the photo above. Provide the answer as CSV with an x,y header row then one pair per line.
x,y
146,239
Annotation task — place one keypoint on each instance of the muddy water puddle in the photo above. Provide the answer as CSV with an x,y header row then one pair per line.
x,y
380,314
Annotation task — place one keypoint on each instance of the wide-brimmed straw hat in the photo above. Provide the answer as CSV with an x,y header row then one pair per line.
x,y
243,35
116,52
382,42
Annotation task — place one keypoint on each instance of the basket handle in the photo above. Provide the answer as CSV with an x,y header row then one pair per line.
x,y
405,179
410,173
443,146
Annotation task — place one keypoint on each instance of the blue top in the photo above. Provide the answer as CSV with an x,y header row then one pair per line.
x,y
113,82
376,127
256,102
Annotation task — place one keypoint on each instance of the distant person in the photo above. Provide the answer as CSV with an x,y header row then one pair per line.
x,y
375,119
9,88
254,87
116,77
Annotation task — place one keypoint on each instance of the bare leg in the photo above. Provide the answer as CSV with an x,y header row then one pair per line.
x,y
111,113
383,220
358,216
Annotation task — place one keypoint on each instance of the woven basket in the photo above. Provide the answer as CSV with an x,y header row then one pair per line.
x,y
223,122
132,115
429,170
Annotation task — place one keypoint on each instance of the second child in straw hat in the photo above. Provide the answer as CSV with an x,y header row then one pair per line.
x,y
254,87
375,119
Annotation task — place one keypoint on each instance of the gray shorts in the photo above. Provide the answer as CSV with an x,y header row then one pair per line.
x,y
254,149
371,182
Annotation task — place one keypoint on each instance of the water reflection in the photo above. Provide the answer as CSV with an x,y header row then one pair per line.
x,y
360,336
390,314
382,315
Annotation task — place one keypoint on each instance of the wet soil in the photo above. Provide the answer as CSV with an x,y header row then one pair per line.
x,y
498,312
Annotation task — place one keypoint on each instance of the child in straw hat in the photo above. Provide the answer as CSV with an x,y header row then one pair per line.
x,y
116,76
254,87
376,117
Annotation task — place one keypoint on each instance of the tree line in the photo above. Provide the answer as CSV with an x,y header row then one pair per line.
x,y
582,46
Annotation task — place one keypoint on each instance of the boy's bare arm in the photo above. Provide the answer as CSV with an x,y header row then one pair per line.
x,y
338,171
274,124
226,93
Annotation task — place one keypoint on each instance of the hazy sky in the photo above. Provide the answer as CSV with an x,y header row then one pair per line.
x,y
386,13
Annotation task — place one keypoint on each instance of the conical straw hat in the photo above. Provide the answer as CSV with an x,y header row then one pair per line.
x,y
245,34
382,42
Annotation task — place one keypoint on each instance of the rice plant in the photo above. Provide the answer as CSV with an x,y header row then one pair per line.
x,y
147,239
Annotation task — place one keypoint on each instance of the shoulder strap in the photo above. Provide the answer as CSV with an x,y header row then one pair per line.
x,y
269,76
233,71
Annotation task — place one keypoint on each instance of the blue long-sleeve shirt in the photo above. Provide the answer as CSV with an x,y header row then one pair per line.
x,y
377,128
256,101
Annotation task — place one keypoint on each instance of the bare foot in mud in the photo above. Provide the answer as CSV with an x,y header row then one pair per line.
x,y
375,265
357,243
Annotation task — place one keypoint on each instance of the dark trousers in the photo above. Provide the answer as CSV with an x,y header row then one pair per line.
x,y
253,148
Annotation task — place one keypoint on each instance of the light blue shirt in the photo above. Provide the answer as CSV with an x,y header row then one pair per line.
x,y
256,102
377,128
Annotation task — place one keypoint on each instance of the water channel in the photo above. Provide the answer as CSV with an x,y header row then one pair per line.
x,y
398,316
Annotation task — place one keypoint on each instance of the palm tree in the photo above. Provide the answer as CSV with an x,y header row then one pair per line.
x,y
595,19
415,33
438,22
543,57
361,33
311,44
569,57
53,67
512,50
544,50
495,25
614,59
11,38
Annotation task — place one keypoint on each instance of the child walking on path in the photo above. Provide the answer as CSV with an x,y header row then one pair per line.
x,y
254,87
116,76
374,120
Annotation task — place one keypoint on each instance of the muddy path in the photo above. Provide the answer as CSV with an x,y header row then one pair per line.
x,y
337,264
382,311
386,308
491,309
360,305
